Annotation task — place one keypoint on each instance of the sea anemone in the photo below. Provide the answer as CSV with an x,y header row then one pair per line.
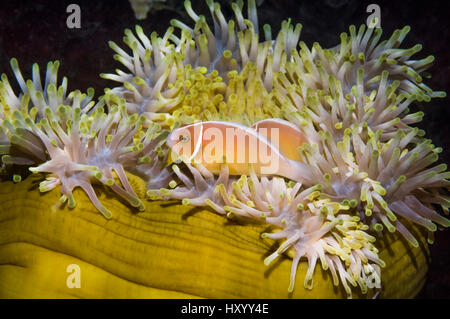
x,y
149,88
83,151
369,169
201,190
32,102
71,138
160,74
313,226
376,178
334,110
36,96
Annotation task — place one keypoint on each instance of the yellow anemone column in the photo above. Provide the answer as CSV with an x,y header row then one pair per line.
x,y
168,251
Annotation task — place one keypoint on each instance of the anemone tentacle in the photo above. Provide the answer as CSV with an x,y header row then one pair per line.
x,y
85,149
35,96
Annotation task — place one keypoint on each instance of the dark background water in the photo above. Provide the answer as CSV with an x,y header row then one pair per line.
x,y
36,31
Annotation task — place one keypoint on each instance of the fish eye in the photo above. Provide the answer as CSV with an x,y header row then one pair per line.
x,y
184,138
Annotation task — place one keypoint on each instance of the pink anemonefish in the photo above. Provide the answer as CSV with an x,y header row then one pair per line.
x,y
269,145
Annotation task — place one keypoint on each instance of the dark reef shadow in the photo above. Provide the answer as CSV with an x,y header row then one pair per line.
x,y
275,263
34,185
388,238
191,212
169,204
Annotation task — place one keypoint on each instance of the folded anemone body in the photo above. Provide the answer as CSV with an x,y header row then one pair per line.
x,y
358,167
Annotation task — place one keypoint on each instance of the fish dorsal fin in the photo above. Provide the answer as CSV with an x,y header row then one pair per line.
x,y
288,139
